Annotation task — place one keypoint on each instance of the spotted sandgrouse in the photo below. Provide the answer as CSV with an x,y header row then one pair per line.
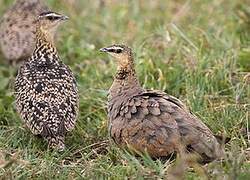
x,y
46,90
17,29
153,121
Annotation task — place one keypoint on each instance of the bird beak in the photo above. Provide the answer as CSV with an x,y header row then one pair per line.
x,y
64,18
103,50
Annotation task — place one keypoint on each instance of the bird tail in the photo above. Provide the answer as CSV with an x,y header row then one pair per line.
x,y
56,143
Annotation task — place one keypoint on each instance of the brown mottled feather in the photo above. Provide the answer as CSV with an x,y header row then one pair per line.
x,y
46,90
152,121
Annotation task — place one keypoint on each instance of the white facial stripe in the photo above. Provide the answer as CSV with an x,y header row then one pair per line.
x,y
114,48
52,14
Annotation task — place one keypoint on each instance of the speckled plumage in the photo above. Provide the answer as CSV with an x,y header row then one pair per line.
x,y
153,121
46,93
17,29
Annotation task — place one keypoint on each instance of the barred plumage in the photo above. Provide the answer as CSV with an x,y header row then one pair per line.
x,y
17,29
46,90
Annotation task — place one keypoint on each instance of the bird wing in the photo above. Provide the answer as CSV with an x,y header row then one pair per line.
x,y
72,102
194,133
50,105
139,122
24,102
157,111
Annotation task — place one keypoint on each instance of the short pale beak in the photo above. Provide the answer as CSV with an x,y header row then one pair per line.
x,y
103,50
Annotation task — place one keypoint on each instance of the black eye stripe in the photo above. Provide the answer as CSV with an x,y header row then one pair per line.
x,y
52,17
115,50
111,50
118,51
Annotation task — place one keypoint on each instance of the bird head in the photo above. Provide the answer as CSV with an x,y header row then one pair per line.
x,y
49,21
121,53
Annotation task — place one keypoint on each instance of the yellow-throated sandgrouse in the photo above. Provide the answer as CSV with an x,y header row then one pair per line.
x,y
17,29
153,121
46,91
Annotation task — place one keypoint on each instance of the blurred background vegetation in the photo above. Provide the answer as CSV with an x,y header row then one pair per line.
x,y
196,50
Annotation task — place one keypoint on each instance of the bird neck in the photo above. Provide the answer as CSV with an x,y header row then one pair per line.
x,y
125,81
45,49
45,36
44,40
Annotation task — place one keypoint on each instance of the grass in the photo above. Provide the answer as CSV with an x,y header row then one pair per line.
x,y
196,50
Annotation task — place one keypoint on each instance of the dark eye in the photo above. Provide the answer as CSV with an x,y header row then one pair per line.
x,y
52,18
118,51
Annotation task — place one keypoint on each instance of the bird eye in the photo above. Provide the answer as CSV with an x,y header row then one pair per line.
x,y
113,50
118,51
52,18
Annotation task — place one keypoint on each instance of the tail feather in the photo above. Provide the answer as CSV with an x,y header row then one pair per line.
x,y
56,143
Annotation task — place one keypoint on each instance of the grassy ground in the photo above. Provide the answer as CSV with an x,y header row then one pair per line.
x,y
197,50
